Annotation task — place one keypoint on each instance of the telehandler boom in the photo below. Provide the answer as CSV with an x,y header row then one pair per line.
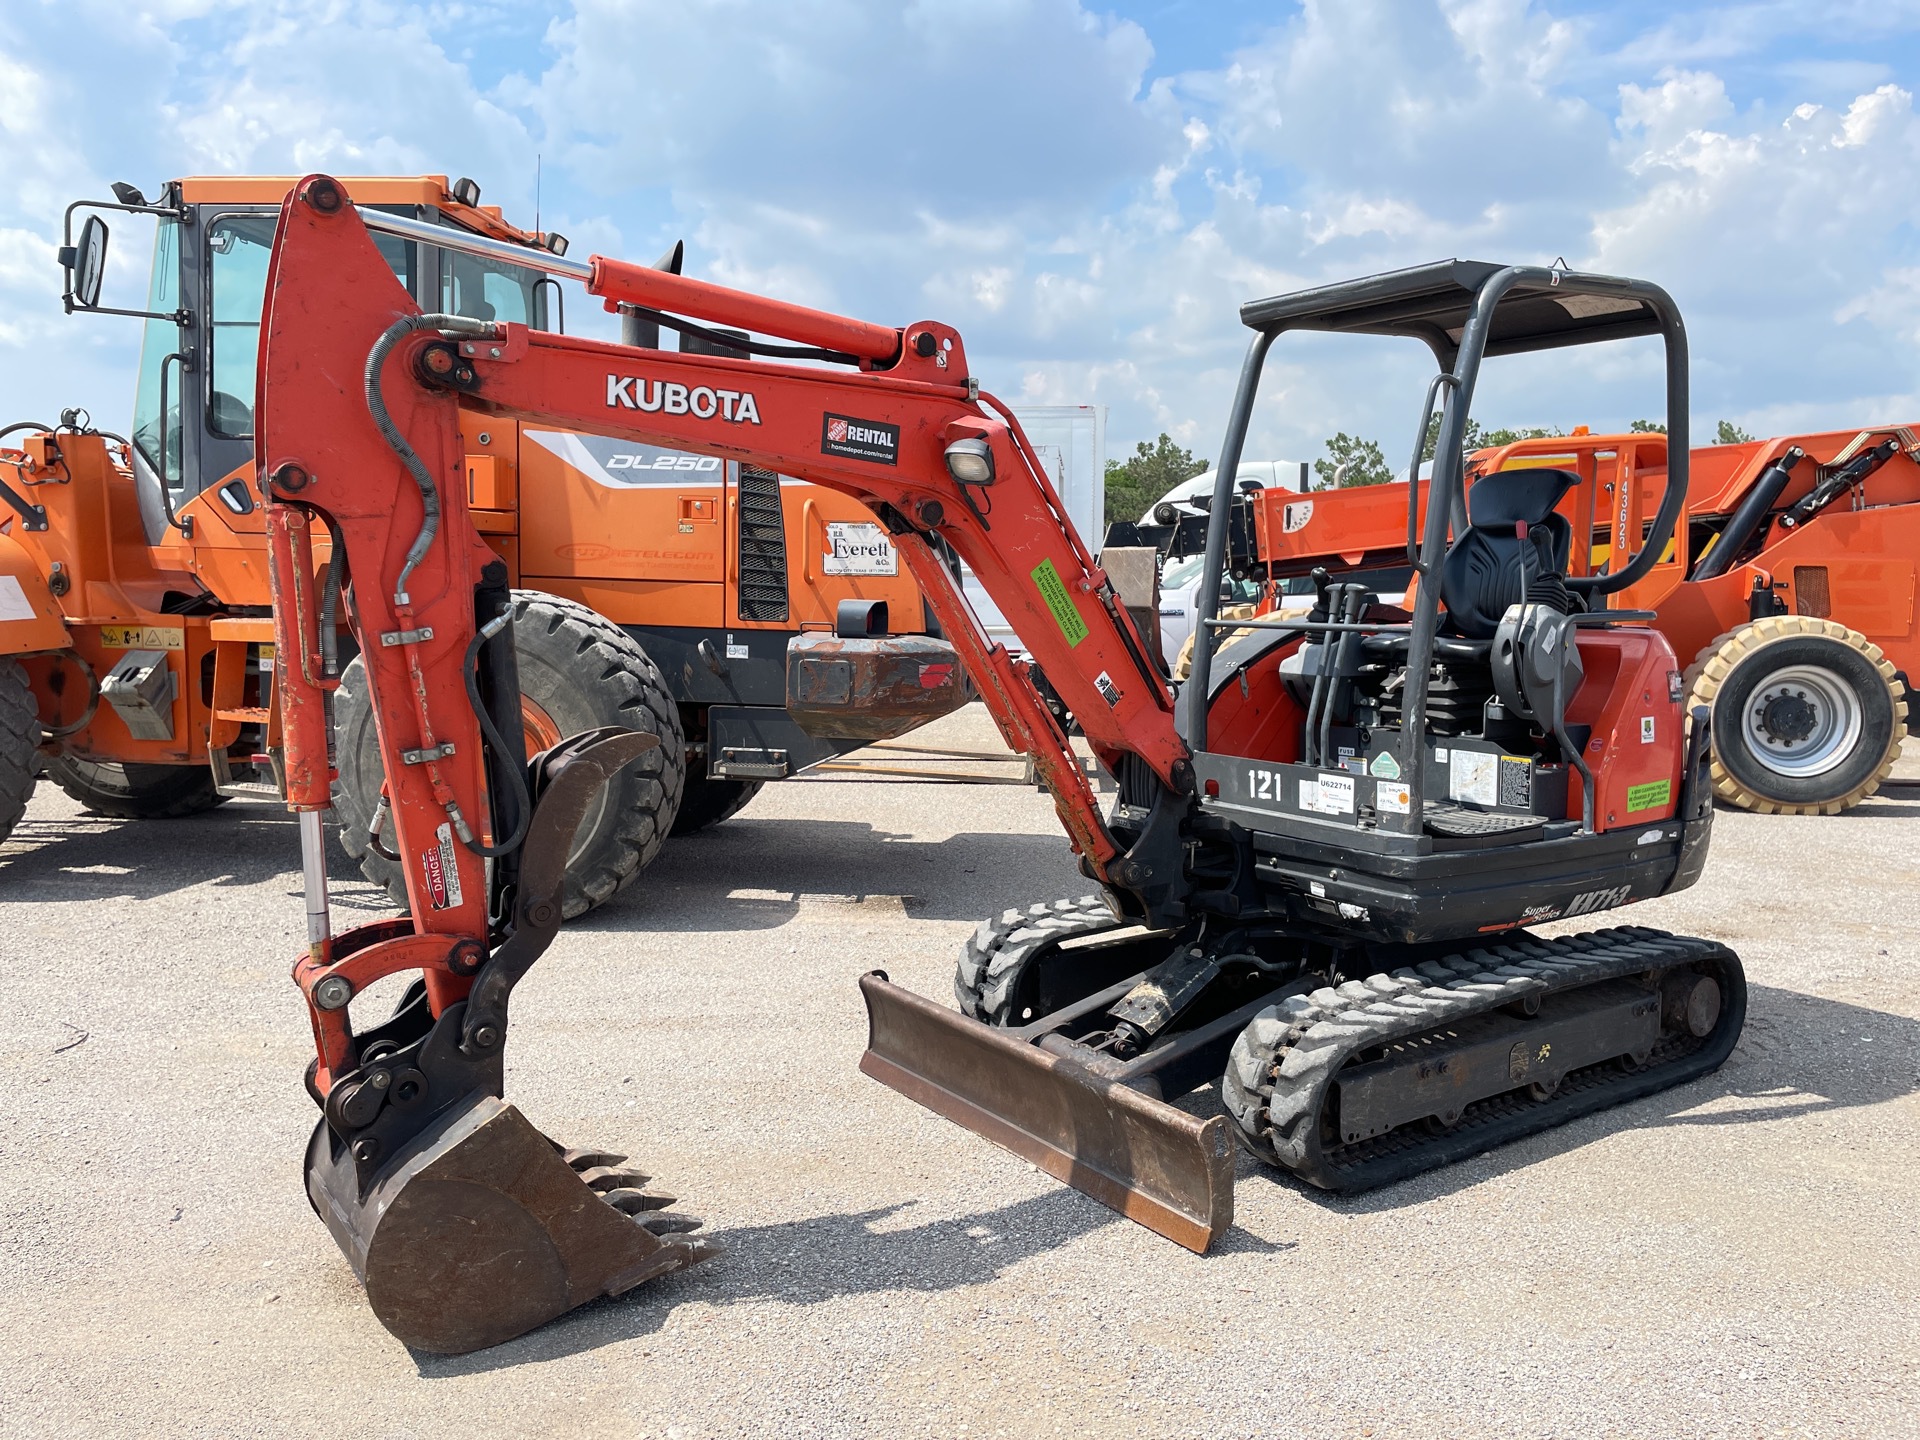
x,y
1314,875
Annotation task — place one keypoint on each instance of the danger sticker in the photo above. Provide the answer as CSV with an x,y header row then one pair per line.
x,y
441,869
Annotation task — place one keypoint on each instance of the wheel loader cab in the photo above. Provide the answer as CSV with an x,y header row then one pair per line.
x,y
193,404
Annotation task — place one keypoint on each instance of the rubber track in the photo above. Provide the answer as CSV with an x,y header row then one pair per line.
x,y
1280,1073
1000,949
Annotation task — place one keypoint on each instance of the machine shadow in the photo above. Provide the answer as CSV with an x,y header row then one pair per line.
x,y
1799,1055
822,1258
753,874
748,874
94,857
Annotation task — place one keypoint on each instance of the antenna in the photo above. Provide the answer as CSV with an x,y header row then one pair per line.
x,y
536,192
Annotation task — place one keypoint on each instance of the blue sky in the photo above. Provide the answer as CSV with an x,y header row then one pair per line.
x,y
1087,191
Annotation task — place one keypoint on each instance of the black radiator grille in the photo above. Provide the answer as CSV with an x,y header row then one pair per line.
x,y
763,546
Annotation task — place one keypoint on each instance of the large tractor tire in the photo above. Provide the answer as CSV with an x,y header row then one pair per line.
x,y
706,801
19,738
1183,662
578,671
1808,715
136,792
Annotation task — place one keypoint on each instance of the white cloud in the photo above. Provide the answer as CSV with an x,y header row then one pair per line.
x,y
1008,166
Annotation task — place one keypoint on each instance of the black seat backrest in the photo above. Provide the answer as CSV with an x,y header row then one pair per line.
x,y
1483,572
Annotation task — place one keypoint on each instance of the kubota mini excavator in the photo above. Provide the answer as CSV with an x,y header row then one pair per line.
x,y
1314,877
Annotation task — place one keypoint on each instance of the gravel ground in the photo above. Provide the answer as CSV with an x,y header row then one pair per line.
x,y
1734,1258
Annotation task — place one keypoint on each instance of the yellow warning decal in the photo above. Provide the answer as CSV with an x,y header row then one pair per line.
x,y
142,637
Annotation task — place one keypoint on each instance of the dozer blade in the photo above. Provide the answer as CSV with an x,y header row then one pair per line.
x,y
1160,1166
480,1229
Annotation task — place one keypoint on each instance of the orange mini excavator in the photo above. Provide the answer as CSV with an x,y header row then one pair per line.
x,y
1314,880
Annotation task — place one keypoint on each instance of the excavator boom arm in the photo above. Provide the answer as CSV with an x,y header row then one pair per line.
x,y
879,435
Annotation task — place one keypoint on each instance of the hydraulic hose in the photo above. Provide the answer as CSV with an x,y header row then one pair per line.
x,y
383,419
522,800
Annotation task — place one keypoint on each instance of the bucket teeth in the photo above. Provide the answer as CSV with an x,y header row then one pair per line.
x,y
672,1222
632,1200
610,1177
587,1158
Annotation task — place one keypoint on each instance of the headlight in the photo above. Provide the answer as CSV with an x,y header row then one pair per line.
x,y
970,461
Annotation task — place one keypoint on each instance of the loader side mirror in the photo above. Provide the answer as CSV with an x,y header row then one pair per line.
x,y
86,263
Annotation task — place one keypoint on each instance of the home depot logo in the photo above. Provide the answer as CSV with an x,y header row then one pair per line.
x,y
855,439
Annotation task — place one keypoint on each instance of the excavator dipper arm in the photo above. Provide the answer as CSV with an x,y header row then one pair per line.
x,y
434,1188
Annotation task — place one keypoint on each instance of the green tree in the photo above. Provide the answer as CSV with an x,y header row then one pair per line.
x,y
1728,433
1648,427
1479,439
1352,461
1153,469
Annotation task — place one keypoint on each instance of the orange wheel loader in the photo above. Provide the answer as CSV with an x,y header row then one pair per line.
x,y
676,593
1314,880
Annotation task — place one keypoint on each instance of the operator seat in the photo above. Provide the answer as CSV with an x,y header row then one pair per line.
x,y
1515,549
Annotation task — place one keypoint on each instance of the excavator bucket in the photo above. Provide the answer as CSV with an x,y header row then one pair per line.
x,y
1170,1171
483,1228
467,1225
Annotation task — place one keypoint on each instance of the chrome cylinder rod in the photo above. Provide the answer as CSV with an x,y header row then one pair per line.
x,y
447,238
313,868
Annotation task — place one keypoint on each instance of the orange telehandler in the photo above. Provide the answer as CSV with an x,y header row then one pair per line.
x,y
134,633
1314,880
1789,580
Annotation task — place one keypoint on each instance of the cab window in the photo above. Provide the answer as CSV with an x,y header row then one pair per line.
x,y
160,339
490,290
239,247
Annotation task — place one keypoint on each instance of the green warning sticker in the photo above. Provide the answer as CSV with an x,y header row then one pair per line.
x,y
1646,797
1053,590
